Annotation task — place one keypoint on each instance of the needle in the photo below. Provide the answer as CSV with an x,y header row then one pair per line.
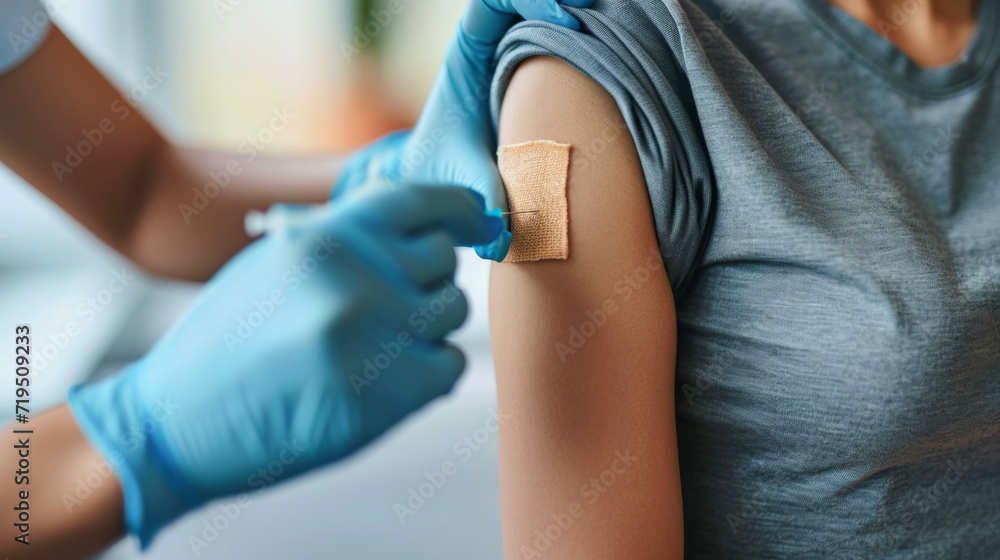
x,y
519,212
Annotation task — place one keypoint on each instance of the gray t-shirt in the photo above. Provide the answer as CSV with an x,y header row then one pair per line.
x,y
829,216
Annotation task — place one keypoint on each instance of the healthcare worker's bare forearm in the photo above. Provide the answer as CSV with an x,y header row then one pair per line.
x,y
67,492
585,348
180,231
70,133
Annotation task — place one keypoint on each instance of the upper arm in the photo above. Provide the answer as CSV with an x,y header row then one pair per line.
x,y
66,130
585,348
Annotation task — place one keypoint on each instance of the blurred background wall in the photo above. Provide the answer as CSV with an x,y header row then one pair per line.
x,y
229,64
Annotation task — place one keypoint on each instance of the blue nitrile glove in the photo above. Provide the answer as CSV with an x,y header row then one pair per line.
x,y
307,345
454,142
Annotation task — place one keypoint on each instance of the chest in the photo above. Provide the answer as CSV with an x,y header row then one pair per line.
x,y
842,293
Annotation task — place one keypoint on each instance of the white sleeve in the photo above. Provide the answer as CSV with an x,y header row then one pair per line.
x,y
24,24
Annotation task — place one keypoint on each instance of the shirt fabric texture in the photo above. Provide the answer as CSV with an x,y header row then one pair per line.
x,y
828,213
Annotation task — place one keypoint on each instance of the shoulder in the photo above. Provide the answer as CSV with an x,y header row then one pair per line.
x,y
608,204
547,94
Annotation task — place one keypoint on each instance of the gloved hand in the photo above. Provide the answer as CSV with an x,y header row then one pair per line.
x,y
454,142
304,347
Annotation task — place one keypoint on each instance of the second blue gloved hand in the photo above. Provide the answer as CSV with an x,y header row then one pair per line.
x,y
304,347
454,141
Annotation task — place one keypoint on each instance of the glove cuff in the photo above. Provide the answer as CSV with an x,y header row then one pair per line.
x,y
111,417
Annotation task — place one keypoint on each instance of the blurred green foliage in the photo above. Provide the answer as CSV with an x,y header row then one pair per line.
x,y
363,14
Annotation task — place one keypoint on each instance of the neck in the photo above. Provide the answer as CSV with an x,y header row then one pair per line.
x,y
931,32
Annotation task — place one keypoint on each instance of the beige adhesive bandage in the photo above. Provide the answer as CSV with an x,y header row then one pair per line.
x,y
535,174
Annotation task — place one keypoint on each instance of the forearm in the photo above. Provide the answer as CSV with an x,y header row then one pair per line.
x,y
191,221
73,497
72,135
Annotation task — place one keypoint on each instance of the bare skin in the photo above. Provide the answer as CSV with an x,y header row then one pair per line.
x,y
128,191
565,422
75,500
936,33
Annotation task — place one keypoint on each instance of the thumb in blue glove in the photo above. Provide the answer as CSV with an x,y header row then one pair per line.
x,y
454,141
303,348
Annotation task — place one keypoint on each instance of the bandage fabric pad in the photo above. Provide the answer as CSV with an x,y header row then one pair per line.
x,y
535,174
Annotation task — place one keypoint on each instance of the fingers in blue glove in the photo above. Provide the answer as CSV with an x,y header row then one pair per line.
x,y
498,248
427,259
439,311
413,209
548,10
487,20
439,367
445,365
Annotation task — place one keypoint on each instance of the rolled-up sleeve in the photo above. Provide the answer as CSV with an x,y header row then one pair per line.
x,y
629,49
